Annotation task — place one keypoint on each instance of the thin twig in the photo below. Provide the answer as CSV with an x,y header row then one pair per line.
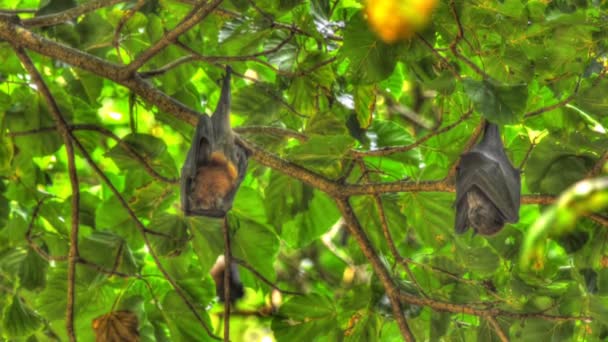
x,y
264,279
121,23
384,151
271,130
497,328
484,312
599,165
227,274
355,229
70,14
458,38
92,127
198,13
62,128
567,100
387,234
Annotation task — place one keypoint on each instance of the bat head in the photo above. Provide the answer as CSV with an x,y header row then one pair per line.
x,y
482,215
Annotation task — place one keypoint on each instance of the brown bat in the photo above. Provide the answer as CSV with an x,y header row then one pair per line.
x,y
215,165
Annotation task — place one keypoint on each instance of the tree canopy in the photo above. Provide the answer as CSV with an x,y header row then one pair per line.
x,y
343,227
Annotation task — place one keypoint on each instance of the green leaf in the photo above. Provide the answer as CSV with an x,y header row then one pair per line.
x,y
108,250
555,164
152,149
256,244
371,60
175,234
320,215
322,153
480,261
182,323
499,103
32,271
18,320
207,240
431,215
312,316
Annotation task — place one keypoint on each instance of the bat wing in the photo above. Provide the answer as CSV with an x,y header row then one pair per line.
x,y
199,153
476,169
511,177
462,209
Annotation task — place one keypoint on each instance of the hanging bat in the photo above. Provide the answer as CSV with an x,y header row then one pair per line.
x,y
487,186
215,165
236,287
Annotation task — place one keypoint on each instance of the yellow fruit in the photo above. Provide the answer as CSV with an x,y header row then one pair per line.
x,y
393,20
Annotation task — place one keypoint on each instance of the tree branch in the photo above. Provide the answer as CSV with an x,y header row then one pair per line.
x,y
198,13
70,14
392,291
227,274
62,128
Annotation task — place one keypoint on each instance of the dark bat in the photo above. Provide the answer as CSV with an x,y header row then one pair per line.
x,y
236,287
215,165
487,186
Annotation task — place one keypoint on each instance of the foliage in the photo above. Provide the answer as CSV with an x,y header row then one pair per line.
x,y
348,134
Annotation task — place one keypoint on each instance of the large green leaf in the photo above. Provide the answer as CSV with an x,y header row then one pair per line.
x,y
370,59
499,103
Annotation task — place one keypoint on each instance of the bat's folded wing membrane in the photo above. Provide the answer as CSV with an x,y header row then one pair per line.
x,y
486,174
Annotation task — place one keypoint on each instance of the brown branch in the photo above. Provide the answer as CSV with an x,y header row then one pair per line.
x,y
527,156
243,58
271,130
497,329
601,219
62,128
387,233
483,312
68,136
142,228
599,165
167,67
458,38
198,13
291,169
355,229
438,55
70,14
101,269
384,151
227,274
263,279
28,236
20,36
